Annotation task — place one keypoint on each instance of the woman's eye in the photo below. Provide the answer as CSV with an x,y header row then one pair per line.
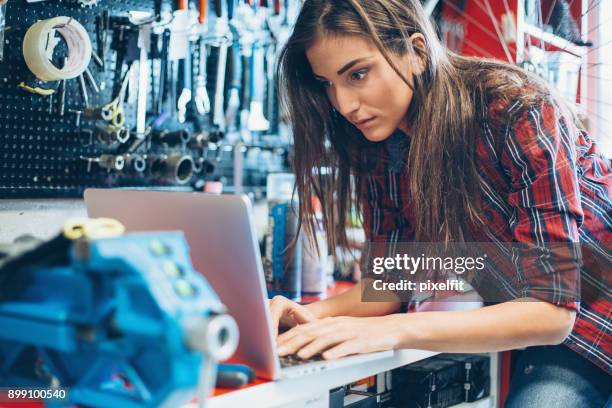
x,y
324,83
359,75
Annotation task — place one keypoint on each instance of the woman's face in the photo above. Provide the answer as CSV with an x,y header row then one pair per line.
x,y
361,85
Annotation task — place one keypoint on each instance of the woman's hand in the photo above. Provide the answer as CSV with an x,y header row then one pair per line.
x,y
337,337
288,313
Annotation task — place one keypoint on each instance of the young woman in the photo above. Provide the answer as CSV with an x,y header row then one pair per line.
x,y
444,148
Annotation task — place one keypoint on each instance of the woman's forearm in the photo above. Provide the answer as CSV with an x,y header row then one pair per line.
x,y
349,304
500,327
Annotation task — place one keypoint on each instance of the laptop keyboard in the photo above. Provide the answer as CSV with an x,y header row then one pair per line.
x,y
293,360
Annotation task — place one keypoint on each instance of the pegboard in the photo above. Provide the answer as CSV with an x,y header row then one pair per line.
x,y
41,152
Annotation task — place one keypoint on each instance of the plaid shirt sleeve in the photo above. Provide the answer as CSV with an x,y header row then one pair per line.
x,y
539,156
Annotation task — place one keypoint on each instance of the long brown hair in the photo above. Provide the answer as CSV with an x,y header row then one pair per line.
x,y
444,116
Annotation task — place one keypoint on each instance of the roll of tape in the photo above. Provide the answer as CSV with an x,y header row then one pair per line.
x,y
38,45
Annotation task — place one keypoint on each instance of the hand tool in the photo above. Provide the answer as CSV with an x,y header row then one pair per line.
x,y
202,101
174,73
92,80
179,31
203,10
125,43
106,342
109,134
172,137
256,121
2,28
218,113
62,90
271,88
113,111
246,26
119,45
38,87
106,161
247,59
155,62
174,168
84,91
78,114
179,51
135,163
62,98
222,32
99,35
162,93
185,95
111,162
97,59
102,27
144,75
157,9
233,104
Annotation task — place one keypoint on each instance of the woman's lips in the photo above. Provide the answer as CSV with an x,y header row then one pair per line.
x,y
364,124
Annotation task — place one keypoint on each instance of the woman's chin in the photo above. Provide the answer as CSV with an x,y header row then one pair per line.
x,y
376,135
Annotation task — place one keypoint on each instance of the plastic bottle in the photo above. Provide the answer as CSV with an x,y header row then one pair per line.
x,y
315,266
283,253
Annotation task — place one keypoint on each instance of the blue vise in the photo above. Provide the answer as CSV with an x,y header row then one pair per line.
x,y
111,320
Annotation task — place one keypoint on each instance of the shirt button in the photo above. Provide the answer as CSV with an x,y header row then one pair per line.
x,y
528,369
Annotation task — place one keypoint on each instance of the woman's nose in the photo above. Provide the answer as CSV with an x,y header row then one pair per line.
x,y
346,102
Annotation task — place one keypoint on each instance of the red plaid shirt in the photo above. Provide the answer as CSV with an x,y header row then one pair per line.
x,y
540,184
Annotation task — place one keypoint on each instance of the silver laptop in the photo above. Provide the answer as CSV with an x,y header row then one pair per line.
x,y
223,242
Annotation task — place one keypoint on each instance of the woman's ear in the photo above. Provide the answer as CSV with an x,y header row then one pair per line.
x,y
417,41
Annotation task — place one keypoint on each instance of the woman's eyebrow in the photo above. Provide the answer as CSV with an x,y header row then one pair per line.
x,y
345,67
349,65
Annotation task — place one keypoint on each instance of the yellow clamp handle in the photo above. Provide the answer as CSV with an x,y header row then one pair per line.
x,y
36,89
118,115
92,228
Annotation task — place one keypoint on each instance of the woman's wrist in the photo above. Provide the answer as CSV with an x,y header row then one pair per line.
x,y
397,327
320,309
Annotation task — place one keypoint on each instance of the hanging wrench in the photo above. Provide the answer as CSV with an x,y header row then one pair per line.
x,y
222,31
185,96
202,101
256,121
144,75
179,53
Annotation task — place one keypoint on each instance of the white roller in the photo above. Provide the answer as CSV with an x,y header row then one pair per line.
x,y
40,40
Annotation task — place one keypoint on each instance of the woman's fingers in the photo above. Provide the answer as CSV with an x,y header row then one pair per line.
x,y
322,343
277,306
300,336
300,330
295,342
300,315
346,348
285,311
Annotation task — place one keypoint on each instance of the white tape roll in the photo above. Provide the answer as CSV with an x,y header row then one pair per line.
x,y
40,40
